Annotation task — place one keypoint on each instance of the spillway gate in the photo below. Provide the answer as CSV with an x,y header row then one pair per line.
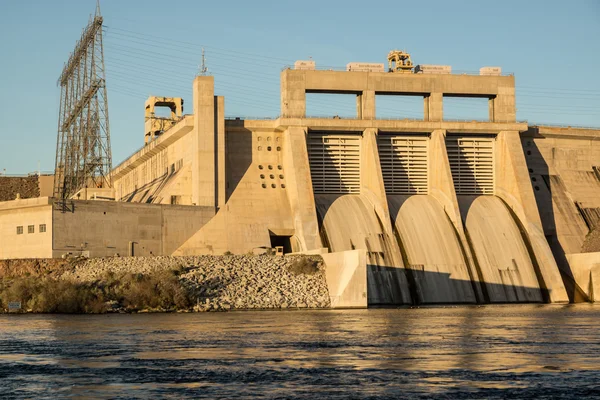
x,y
334,162
472,164
404,162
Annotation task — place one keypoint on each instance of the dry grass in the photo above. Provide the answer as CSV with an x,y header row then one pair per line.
x,y
133,292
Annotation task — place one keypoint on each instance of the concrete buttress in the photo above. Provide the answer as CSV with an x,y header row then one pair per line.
x,y
513,186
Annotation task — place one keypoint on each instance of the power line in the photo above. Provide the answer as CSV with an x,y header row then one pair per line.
x,y
144,35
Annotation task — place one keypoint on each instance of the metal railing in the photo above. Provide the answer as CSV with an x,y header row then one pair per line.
x,y
453,72
348,117
35,173
537,125
238,118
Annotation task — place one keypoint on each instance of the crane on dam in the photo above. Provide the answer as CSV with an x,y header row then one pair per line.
x,y
399,61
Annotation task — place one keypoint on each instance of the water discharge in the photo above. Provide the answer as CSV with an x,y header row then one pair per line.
x,y
511,351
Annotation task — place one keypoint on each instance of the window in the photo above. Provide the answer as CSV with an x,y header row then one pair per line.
x,y
42,228
30,228
19,230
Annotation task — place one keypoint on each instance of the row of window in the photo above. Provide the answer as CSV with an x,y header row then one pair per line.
x,y
31,229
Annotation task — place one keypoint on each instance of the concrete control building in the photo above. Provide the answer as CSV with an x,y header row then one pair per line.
x,y
447,211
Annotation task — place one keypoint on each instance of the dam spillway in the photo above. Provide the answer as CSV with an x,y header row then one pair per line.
x,y
502,257
350,222
432,251
424,258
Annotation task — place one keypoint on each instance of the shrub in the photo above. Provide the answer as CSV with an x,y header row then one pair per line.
x,y
47,295
304,265
160,289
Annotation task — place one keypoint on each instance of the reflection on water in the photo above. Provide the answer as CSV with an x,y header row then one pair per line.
x,y
453,352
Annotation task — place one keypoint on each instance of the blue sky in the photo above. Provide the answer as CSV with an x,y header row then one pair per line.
x,y
154,48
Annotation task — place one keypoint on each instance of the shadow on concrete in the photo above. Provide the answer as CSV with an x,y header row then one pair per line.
x,y
397,171
423,280
548,190
150,192
238,148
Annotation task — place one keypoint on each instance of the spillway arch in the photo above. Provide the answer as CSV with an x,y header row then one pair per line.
x,y
348,222
433,254
500,250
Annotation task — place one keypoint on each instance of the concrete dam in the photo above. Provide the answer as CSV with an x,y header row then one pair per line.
x,y
414,251
446,212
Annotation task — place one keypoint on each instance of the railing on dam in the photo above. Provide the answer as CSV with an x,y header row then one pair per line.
x,y
387,118
36,173
540,125
343,69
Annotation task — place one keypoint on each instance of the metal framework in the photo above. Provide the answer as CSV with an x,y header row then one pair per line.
x,y
404,163
334,162
83,154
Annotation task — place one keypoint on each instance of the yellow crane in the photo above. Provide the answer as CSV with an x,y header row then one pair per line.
x,y
399,61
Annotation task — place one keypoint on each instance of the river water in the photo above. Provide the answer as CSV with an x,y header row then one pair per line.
x,y
523,351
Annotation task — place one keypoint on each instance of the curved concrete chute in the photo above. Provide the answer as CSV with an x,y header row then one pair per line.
x,y
435,259
499,248
350,222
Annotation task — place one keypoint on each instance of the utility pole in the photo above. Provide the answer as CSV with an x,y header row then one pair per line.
x,y
83,153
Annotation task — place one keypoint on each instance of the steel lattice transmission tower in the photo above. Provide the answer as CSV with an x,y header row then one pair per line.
x,y
83,155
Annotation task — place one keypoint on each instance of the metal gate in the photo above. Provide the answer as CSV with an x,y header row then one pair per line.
x,y
472,164
334,162
403,163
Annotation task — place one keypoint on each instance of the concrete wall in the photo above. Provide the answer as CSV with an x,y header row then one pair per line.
x,y
346,274
560,163
513,187
160,170
258,204
46,184
30,212
585,269
433,87
103,228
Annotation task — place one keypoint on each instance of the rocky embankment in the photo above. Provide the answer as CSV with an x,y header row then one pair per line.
x,y
199,283
26,187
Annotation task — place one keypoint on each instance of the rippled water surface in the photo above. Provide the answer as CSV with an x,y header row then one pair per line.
x,y
457,352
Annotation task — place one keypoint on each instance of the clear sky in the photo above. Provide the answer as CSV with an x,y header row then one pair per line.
x,y
154,48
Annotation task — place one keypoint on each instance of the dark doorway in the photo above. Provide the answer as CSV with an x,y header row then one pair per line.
x,y
283,241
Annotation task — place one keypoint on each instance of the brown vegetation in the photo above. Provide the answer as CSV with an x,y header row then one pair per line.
x,y
160,290
306,265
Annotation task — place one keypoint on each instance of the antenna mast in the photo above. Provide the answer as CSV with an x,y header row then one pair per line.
x,y
203,68
83,153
